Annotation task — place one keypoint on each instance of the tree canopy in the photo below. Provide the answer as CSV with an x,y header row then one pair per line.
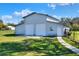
x,y
71,22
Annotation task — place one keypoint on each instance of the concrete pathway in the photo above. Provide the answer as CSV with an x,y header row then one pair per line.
x,y
74,49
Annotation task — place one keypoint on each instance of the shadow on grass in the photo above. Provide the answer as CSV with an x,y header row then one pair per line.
x,y
11,35
41,46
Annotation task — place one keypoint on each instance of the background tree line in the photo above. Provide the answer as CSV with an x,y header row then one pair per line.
x,y
5,26
72,23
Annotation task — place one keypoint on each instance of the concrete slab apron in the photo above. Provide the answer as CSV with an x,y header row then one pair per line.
x,y
37,37
74,49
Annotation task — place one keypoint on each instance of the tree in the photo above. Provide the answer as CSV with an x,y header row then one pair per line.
x,y
67,22
73,23
1,21
76,20
11,24
1,24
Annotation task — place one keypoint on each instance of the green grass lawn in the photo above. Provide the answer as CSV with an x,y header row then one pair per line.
x,y
76,36
11,45
71,42
9,36
75,39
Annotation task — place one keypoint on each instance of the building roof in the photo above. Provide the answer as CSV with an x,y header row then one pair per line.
x,y
41,14
56,20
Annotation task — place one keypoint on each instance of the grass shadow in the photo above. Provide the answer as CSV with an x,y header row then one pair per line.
x,y
10,35
9,48
49,48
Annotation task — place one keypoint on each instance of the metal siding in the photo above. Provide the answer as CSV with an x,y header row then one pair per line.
x,y
20,29
29,29
60,30
53,26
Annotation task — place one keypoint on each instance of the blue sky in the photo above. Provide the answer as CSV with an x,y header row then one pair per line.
x,y
13,12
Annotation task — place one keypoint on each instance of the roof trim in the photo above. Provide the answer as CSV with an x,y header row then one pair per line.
x,y
29,14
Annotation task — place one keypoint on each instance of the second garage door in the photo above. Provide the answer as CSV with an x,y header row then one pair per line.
x,y
40,29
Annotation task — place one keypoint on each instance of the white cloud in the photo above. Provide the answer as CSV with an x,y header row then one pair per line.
x,y
6,17
54,5
17,13
22,12
64,4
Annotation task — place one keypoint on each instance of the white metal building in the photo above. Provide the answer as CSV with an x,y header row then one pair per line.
x,y
40,25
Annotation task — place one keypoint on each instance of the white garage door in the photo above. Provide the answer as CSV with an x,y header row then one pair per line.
x,y
40,29
29,29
